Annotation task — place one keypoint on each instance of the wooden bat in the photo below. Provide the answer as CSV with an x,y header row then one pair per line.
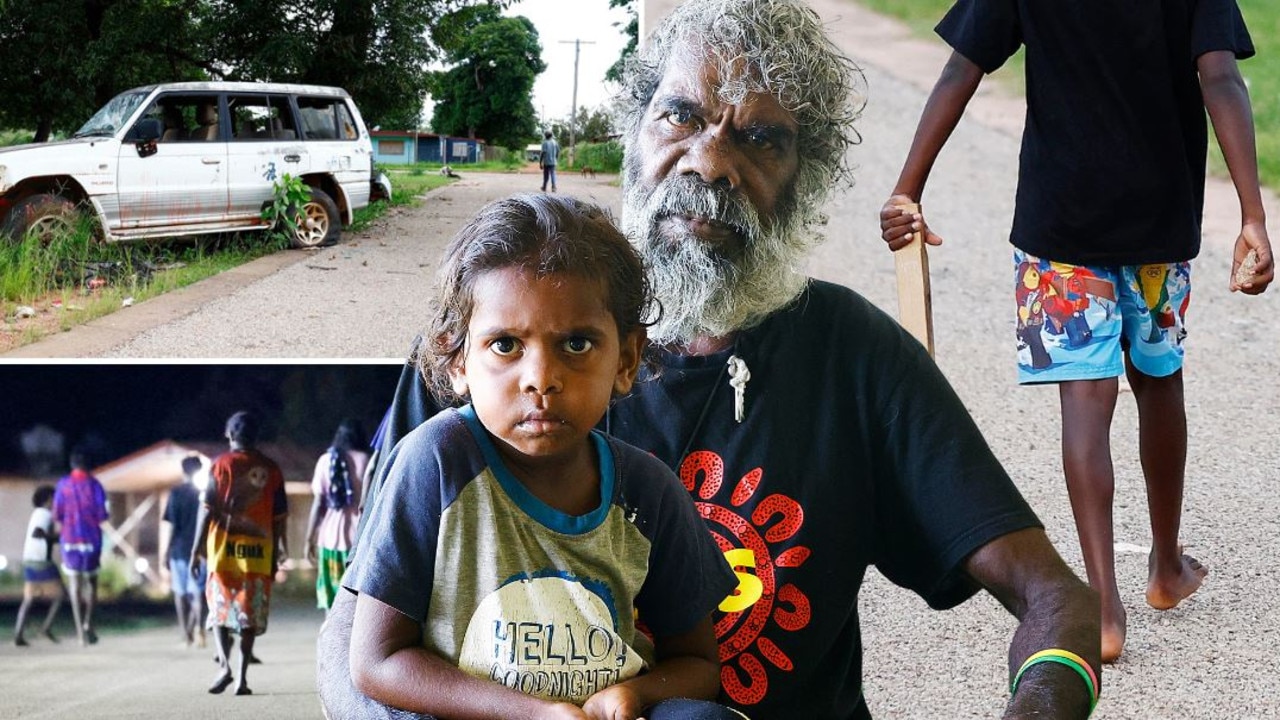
x,y
915,303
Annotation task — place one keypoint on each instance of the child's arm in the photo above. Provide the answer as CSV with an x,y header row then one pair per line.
x,y
688,666
1227,100
390,665
946,105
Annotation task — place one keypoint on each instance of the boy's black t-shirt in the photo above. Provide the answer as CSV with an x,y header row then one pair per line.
x,y
1113,153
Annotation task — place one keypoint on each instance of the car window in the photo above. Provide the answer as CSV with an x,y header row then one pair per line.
x,y
326,118
112,116
184,117
261,117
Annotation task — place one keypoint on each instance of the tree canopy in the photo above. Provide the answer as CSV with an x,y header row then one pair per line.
x,y
67,57
632,31
487,93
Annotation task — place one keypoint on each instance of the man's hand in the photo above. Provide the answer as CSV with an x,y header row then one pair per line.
x,y
1253,237
897,225
617,702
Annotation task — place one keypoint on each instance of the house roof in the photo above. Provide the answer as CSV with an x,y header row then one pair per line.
x,y
159,465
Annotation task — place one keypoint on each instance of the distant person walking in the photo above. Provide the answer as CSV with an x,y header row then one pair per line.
x,y
80,508
39,574
241,530
548,159
181,513
338,485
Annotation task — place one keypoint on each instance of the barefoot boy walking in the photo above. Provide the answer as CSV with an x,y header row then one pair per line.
x,y
1107,219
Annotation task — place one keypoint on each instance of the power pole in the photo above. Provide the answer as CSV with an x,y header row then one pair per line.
x,y
573,111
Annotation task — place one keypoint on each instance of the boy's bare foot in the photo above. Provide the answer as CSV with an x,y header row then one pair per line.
x,y
244,690
1114,627
1166,590
20,641
223,680
49,634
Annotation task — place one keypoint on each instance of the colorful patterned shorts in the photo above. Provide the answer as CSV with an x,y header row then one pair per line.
x,y
1076,322
238,603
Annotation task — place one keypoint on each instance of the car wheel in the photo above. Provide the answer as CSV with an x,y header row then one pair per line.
x,y
318,221
44,216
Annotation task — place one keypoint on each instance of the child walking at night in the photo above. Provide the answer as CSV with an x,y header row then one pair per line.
x,y
504,565
1107,219
40,578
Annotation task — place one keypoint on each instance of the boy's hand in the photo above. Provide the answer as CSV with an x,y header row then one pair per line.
x,y
1253,237
897,225
616,702
563,711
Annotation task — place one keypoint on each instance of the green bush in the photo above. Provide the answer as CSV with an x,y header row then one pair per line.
x,y
603,157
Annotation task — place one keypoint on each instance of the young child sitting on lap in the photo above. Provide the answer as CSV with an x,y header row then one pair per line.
x,y
505,563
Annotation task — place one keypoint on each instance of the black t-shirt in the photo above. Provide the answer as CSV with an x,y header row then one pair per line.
x,y
181,512
854,451
1113,153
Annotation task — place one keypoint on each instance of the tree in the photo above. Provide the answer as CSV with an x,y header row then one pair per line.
x,y
632,31
74,55
488,91
593,125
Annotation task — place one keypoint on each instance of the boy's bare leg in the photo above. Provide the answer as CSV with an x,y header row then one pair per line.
x,y
46,629
1162,419
28,597
181,605
77,613
1087,409
223,637
247,637
90,603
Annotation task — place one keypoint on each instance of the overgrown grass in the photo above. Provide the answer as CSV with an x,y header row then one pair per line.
x,y
15,137
1262,73
81,277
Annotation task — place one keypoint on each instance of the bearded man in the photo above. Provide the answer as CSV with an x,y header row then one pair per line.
x,y
816,437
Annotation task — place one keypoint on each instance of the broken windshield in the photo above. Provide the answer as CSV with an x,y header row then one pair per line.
x,y
113,115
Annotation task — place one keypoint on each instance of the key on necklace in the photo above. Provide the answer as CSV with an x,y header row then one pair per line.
x,y
738,377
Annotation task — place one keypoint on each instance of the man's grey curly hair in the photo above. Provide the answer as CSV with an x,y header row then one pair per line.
x,y
774,46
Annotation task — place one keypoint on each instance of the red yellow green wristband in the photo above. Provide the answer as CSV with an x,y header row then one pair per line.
x,y
1062,657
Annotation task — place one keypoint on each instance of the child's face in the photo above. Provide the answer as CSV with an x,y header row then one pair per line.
x,y
542,360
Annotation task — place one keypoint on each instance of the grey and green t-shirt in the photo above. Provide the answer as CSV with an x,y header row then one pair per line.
x,y
513,590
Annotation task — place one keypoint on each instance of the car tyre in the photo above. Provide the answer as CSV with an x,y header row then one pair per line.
x,y
45,216
318,222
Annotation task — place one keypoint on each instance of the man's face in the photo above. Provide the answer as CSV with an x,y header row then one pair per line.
x,y
709,199
748,148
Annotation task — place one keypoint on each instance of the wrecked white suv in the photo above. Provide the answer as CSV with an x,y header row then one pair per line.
x,y
196,157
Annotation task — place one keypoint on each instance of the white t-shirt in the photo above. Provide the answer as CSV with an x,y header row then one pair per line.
x,y
35,549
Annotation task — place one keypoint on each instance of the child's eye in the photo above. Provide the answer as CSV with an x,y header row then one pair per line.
x,y
504,346
577,345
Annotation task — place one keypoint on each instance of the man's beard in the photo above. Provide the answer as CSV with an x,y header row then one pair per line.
x,y
706,289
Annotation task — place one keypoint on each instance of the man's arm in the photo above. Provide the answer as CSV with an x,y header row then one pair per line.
x,y
313,526
946,105
389,664
1227,99
1054,610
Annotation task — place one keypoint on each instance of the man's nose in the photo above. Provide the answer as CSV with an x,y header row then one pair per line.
x,y
541,372
714,157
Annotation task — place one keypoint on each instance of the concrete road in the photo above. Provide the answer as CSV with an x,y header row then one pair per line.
x,y
1206,659
144,674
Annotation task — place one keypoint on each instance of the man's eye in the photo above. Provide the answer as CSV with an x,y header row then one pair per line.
x,y
680,118
504,346
761,140
577,345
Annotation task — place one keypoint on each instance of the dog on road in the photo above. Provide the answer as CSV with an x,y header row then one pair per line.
x,y
588,171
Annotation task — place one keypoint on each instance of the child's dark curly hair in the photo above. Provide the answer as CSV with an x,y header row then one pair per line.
x,y
548,234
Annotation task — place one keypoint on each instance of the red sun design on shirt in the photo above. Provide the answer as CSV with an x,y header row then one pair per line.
x,y
752,546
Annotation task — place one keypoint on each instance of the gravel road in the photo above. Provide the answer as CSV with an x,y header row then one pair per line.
x,y
1206,659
